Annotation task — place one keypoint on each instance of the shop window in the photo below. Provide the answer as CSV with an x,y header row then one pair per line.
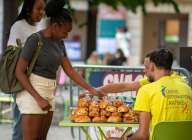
x,y
172,29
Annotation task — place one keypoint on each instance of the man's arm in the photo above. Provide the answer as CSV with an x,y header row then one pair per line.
x,y
120,87
143,131
116,88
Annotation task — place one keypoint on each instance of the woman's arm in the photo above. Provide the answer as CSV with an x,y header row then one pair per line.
x,y
24,81
77,78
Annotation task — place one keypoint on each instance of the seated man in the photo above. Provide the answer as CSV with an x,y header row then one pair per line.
x,y
165,99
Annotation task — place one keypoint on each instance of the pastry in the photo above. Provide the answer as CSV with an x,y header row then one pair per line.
x,y
105,113
94,109
123,108
83,102
114,119
93,114
130,117
103,119
72,117
111,109
82,119
128,120
94,104
99,119
103,104
73,114
127,115
118,103
118,114
82,111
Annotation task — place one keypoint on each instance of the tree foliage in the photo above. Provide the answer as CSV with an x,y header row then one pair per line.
x,y
128,4
134,4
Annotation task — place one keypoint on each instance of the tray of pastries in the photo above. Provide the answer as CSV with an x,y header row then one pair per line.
x,y
103,110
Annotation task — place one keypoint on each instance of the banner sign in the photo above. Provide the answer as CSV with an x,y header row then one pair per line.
x,y
100,78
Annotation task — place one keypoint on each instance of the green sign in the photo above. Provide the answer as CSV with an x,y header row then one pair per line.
x,y
108,27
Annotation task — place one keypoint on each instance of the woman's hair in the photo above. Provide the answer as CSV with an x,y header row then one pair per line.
x,y
120,53
26,10
54,9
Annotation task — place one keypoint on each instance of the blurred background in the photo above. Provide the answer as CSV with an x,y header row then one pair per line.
x,y
108,32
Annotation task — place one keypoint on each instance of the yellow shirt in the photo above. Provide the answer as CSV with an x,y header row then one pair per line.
x,y
144,81
174,75
166,99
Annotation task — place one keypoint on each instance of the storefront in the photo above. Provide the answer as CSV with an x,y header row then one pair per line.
x,y
152,30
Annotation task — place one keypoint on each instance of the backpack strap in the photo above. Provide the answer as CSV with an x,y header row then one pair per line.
x,y
36,54
18,41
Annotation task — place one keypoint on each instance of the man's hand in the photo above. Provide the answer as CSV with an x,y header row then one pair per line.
x,y
100,93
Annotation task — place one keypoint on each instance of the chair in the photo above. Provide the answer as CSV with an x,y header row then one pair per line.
x,y
176,130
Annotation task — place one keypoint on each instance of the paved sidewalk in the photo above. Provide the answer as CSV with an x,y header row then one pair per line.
x,y
55,133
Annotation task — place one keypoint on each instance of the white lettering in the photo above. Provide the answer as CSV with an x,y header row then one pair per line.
x,y
138,77
128,78
116,78
120,78
108,79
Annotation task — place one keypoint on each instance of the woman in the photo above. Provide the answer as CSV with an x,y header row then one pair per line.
x,y
24,25
36,102
26,22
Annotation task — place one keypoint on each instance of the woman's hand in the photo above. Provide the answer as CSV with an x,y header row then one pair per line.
x,y
99,93
43,103
93,92
114,138
84,94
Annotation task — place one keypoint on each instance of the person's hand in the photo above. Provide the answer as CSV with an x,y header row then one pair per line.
x,y
98,93
101,93
43,103
94,92
112,138
84,94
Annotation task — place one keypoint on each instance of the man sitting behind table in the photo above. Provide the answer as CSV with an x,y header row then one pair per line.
x,y
165,99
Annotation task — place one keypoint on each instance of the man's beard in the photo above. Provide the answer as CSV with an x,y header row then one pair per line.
x,y
151,79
